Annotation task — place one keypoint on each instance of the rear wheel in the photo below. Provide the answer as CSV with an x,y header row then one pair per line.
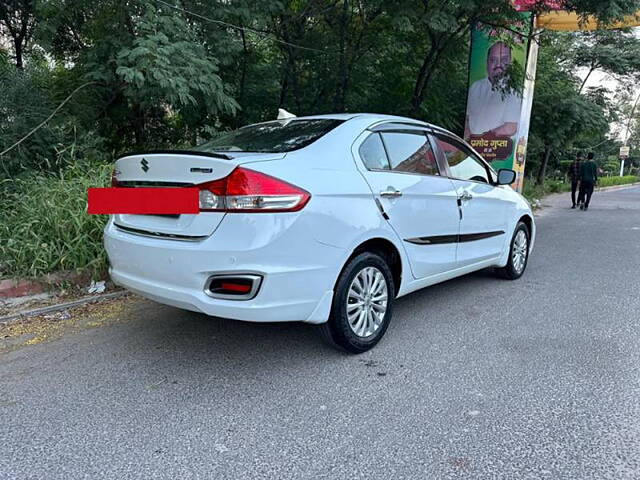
x,y
518,254
362,304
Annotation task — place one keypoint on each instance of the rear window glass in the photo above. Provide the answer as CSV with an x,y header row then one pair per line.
x,y
277,137
373,154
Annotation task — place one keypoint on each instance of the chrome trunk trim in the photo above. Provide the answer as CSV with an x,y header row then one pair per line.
x,y
164,236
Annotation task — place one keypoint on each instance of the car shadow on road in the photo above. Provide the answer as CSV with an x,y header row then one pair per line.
x,y
177,336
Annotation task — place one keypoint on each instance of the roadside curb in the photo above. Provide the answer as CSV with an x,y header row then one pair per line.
x,y
61,306
617,187
549,202
10,288
21,287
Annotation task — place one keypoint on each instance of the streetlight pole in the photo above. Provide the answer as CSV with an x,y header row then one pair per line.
x,y
626,137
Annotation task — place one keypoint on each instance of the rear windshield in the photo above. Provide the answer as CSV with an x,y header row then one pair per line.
x,y
277,137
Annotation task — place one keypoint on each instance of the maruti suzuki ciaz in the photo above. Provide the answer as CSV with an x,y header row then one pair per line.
x,y
323,219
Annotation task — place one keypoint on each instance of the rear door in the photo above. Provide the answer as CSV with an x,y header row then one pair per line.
x,y
483,225
421,205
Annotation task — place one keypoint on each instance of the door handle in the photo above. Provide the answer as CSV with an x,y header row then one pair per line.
x,y
466,196
391,192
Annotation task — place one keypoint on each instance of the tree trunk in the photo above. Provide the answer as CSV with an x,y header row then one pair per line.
x,y
284,87
243,80
18,49
139,126
584,82
17,18
290,79
543,166
439,43
339,101
422,80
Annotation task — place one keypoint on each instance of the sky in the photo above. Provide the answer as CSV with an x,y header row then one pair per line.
x,y
599,78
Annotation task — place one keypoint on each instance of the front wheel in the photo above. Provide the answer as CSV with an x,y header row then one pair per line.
x,y
518,254
362,304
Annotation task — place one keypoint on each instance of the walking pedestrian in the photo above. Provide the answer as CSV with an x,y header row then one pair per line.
x,y
588,180
574,177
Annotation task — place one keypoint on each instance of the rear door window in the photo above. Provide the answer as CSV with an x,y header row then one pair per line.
x,y
410,153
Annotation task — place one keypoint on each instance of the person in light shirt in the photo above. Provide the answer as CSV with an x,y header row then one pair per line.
x,y
493,109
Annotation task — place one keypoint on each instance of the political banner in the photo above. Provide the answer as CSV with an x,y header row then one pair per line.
x,y
500,93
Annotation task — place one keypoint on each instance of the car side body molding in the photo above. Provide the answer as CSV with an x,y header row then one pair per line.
x,y
441,239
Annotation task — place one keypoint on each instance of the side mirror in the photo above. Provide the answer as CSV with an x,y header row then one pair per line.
x,y
506,176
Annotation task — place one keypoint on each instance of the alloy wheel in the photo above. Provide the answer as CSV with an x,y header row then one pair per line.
x,y
367,302
520,251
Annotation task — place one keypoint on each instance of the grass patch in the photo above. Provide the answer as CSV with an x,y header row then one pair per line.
x,y
613,181
534,191
45,227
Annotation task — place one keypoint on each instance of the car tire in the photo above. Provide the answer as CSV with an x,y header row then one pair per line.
x,y
353,327
518,254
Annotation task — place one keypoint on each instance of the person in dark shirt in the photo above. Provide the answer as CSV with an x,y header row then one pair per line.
x,y
574,177
588,180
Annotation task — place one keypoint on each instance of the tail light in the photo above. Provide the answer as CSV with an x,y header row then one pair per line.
x,y
250,191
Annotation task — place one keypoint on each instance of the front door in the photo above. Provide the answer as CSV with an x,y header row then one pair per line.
x,y
483,225
421,204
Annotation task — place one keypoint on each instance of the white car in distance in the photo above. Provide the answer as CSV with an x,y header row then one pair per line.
x,y
325,219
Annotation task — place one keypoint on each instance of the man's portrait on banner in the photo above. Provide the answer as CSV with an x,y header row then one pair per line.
x,y
494,109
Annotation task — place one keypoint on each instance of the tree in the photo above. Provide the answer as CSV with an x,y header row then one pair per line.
x,y
18,20
171,72
442,23
438,25
561,115
611,51
155,76
166,68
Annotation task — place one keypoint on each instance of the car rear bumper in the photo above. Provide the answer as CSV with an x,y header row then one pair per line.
x,y
297,284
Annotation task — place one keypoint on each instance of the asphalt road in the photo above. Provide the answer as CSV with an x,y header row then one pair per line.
x,y
477,378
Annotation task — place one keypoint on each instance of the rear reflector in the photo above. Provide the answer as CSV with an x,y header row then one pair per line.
x,y
233,287
143,201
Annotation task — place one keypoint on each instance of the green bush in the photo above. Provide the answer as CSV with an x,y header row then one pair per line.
x,y
612,181
45,227
534,191
531,190
611,167
556,186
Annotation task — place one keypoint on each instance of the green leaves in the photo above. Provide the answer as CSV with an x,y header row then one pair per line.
x,y
167,65
171,76
612,51
131,75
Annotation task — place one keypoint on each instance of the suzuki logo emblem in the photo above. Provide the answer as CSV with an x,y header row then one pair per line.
x,y
145,165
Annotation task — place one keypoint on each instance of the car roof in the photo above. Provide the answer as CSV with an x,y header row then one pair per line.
x,y
373,117
349,116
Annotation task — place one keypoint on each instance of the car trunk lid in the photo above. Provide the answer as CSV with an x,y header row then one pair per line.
x,y
177,169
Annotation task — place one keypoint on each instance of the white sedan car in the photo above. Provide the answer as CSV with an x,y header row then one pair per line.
x,y
324,219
